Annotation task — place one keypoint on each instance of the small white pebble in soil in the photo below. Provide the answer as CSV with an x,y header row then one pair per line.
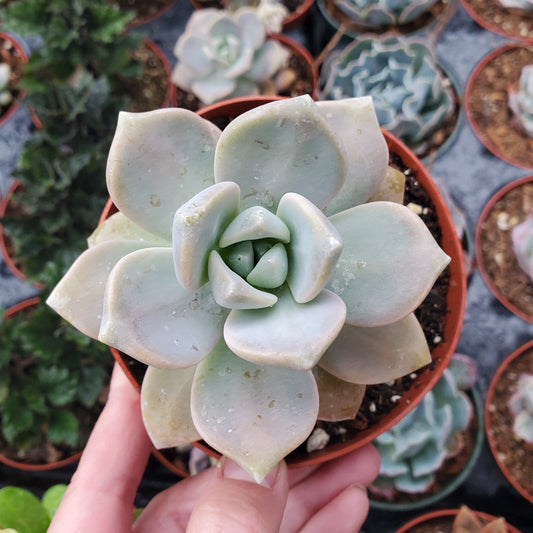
x,y
395,398
437,339
317,440
415,208
372,407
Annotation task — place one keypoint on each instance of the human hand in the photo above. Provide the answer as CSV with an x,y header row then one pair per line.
x,y
223,498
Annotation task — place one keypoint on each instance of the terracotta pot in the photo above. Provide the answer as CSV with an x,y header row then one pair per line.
x,y
18,308
499,421
486,105
497,265
294,18
446,516
457,480
18,58
489,14
431,22
455,299
145,15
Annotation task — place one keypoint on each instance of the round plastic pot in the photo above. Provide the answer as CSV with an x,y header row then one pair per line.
x,y
458,480
427,518
479,241
19,308
491,398
456,296
22,59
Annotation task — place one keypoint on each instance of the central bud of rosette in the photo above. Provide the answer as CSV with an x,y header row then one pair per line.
x,y
249,256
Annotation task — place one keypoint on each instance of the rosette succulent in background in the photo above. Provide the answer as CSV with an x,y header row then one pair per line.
x,y
521,100
252,272
523,5
521,406
223,54
271,13
413,99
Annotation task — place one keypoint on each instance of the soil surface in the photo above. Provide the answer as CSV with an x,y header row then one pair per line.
x,y
496,256
515,453
493,16
487,108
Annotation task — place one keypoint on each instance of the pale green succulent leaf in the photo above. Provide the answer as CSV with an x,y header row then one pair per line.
x,y
392,188
411,485
233,292
240,257
309,158
355,123
79,295
196,231
255,223
271,270
251,413
166,406
119,226
389,464
150,316
158,160
523,426
339,400
388,264
377,355
314,249
288,334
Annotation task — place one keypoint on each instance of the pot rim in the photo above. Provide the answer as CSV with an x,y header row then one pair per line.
x,y
490,395
456,297
477,243
478,131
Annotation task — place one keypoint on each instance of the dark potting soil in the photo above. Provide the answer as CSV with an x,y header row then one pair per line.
x,y
515,453
496,249
487,105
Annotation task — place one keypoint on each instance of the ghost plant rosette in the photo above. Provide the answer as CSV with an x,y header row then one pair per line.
x,y
246,270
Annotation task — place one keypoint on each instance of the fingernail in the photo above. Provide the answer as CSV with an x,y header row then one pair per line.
x,y
231,470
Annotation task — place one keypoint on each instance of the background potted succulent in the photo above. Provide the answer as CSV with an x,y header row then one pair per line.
x,y
430,452
355,17
497,103
224,54
257,294
12,59
510,18
498,263
415,100
463,520
509,419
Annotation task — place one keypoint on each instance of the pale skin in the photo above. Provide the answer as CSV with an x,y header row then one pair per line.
x,y
328,497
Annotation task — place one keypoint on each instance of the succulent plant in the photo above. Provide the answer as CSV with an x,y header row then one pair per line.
x,y
466,521
521,100
271,13
244,263
524,5
5,76
522,241
414,449
411,96
223,54
383,12
521,406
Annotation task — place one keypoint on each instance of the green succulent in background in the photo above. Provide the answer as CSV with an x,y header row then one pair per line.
x,y
414,449
520,100
521,406
5,76
410,93
251,295
374,13
222,54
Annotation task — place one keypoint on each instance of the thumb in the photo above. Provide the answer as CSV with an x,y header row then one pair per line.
x,y
235,503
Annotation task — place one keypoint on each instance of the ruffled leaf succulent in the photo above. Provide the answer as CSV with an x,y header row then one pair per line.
x,y
411,95
521,100
375,13
521,406
223,54
415,448
240,260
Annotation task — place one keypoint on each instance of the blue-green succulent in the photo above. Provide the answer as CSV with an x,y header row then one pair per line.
x,y
255,272
271,13
415,448
223,54
375,13
410,93
521,406
521,100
